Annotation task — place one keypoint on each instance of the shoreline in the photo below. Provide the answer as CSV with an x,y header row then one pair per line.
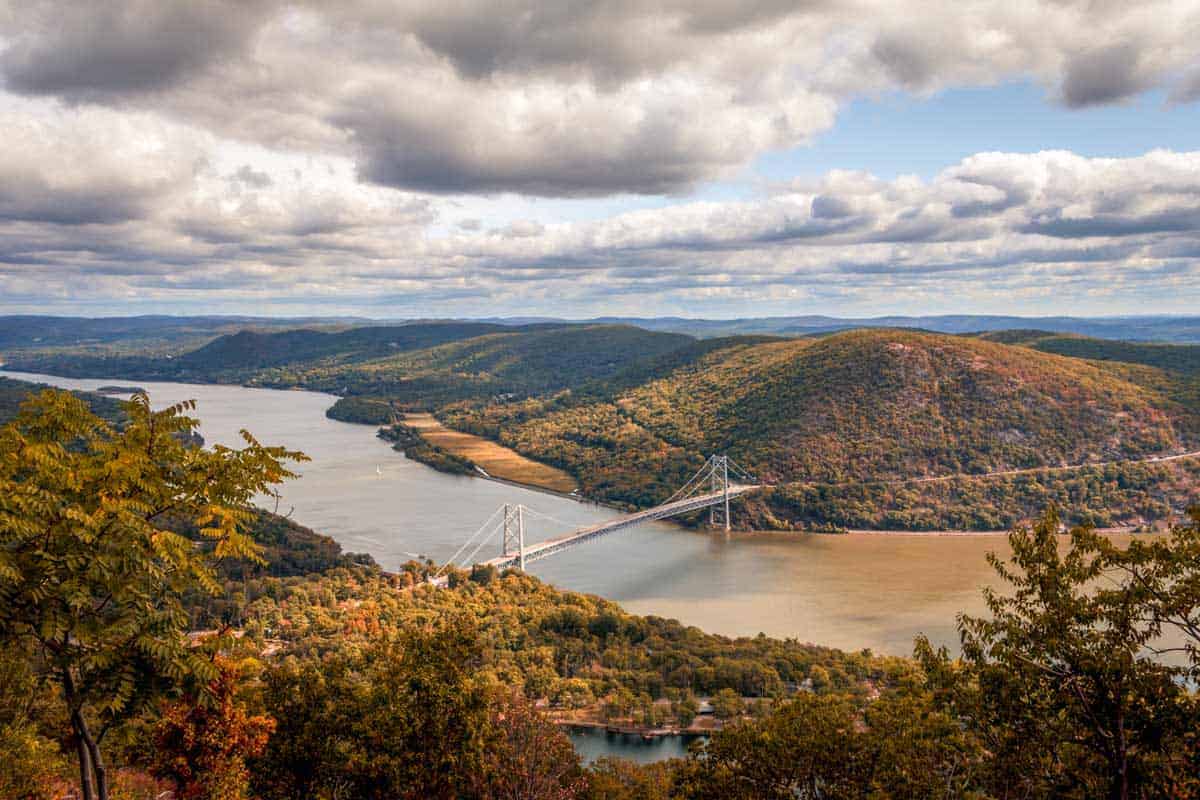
x,y
493,459
951,534
641,731
579,498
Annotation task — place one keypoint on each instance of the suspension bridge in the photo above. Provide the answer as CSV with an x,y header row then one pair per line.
x,y
713,486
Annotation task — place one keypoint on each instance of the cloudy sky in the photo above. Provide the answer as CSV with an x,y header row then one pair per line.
x,y
585,157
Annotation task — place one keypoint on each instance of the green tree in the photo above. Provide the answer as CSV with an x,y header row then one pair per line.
x,y
806,748
91,579
618,704
406,718
685,709
727,704
1164,575
621,779
907,748
826,746
1067,685
525,756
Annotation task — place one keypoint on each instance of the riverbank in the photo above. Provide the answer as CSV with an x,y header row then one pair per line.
x,y
591,719
956,534
1114,531
496,460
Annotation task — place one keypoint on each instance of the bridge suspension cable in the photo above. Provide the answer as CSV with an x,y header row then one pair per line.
x,y
491,536
468,542
694,483
548,518
714,472
709,488
738,471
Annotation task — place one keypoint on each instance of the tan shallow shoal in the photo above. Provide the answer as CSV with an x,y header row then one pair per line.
x,y
496,460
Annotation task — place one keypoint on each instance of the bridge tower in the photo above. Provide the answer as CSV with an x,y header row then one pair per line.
x,y
719,482
514,532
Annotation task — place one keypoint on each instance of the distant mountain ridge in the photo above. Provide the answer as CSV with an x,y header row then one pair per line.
x,y
1181,329
162,334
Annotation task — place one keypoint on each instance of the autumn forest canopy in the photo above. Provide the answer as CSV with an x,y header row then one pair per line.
x,y
161,633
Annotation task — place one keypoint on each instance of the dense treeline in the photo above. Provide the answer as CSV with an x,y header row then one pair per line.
x,y
13,393
364,410
518,362
550,643
1174,357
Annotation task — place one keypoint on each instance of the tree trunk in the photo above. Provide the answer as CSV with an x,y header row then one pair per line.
x,y
91,763
94,761
98,768
1120,785
85,766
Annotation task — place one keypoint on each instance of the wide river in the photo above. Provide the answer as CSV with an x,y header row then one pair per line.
x,y
852,591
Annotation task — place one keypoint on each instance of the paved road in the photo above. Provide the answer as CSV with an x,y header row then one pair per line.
x,y
1064,468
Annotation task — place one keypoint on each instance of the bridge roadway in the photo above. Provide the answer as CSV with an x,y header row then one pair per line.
x,y
551,546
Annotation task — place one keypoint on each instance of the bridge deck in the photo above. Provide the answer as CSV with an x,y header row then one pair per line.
x,y
551,546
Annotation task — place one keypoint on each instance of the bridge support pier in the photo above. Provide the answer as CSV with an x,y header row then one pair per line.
x,y
718,470
514,533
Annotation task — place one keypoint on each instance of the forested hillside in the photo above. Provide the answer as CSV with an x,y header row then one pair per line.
x,y
843,423
898,404
1181,358
421,365
247,351
866,407
141,335
527,362
241,356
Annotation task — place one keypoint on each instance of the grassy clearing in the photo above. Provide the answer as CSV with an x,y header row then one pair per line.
x,y
497,460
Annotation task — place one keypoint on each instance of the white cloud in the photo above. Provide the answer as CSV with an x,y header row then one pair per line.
x,y
320,154
571,99
994,225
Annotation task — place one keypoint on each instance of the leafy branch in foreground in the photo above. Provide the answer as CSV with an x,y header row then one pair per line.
x,y
1069,686
91,578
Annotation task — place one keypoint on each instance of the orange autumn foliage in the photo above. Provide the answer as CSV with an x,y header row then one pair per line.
x,y
203,742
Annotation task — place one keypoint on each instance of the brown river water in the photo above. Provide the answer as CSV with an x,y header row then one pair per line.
x,y
850,591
